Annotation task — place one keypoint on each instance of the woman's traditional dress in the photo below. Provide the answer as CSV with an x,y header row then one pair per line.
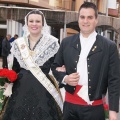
x,y
30,100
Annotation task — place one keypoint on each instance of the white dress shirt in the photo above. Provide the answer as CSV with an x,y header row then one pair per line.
x,y
86,45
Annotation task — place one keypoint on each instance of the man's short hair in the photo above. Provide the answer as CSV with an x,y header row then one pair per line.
x,y
89,5
16,35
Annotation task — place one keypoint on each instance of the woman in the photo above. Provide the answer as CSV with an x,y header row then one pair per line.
x,y
34,95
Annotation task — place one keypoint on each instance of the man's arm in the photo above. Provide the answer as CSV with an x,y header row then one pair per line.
x,y
113,82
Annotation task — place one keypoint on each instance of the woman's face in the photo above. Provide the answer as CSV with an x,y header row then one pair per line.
x,y
34,24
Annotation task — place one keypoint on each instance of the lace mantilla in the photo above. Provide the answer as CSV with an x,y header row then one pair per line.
x,y
45,28
46,48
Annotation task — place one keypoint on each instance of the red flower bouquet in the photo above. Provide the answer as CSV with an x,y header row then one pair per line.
x,y
6,76
106,108
9,74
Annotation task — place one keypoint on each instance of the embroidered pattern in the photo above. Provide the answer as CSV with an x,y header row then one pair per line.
x,y
46,48
28,110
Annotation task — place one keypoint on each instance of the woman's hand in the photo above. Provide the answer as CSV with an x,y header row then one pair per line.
x,y
61,69
6,85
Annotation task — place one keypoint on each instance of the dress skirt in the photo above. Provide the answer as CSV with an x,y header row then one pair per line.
x,y
30,100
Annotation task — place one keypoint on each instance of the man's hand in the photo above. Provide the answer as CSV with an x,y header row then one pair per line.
x,y
72,79
112,115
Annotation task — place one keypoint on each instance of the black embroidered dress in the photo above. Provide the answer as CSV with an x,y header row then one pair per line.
x,y
30,100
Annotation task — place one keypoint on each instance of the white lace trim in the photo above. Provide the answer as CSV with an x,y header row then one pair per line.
x,y
46,48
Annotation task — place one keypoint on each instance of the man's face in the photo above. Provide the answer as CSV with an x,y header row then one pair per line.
x,y
15,37
8,37
87,21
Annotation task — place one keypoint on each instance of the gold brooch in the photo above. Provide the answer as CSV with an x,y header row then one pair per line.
x,y
31,52
94,48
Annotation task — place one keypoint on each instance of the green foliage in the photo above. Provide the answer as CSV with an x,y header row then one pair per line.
x,y
3,80
106,114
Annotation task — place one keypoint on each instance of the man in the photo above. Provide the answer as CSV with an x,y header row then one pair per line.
x,y
92,65
5,50
13,38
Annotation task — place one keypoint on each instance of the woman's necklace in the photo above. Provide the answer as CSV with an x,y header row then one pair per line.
x,y
32,45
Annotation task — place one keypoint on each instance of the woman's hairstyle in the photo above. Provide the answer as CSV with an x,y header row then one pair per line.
x,y
89,5
45,28
36,12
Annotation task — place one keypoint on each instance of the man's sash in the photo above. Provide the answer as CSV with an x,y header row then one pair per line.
x,y
37,72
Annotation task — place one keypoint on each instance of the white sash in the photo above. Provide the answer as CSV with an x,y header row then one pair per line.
x,y
37,72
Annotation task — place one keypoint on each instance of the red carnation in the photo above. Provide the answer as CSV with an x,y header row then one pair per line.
x,y
106,107
9,74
